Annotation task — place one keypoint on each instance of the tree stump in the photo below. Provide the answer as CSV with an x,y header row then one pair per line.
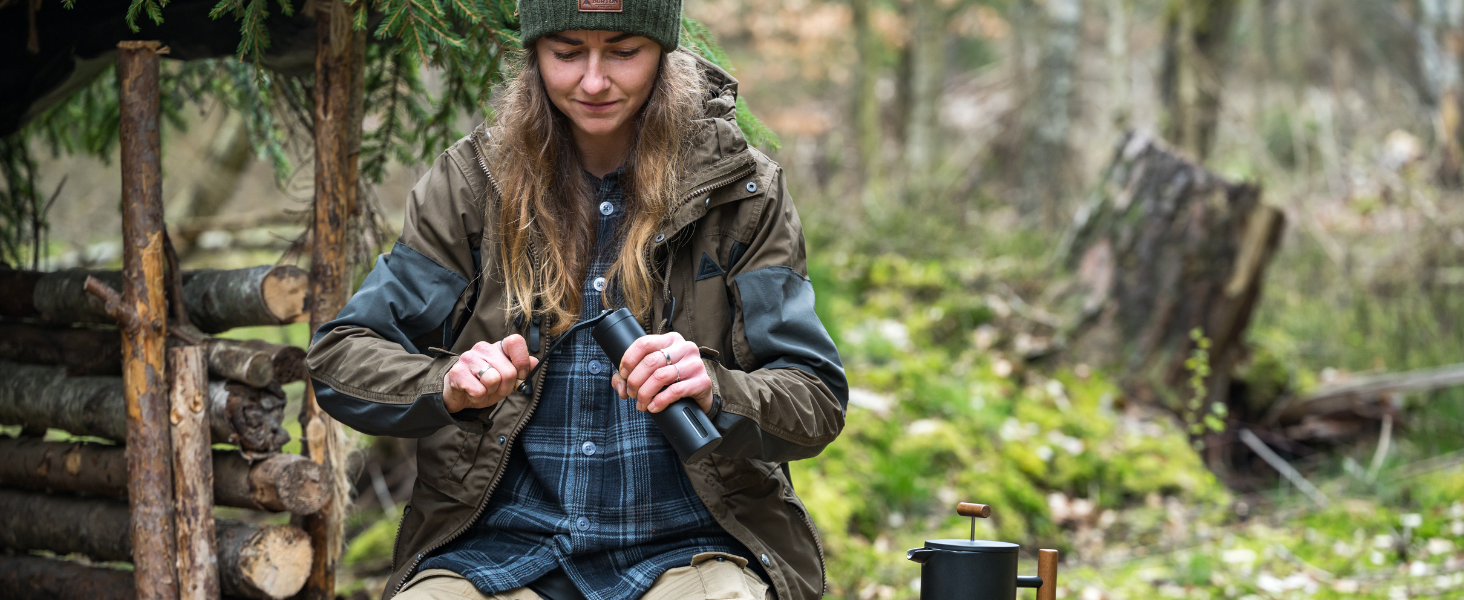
x,y
1164,248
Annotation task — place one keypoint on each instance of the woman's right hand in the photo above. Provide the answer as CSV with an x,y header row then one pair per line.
x,y
487,373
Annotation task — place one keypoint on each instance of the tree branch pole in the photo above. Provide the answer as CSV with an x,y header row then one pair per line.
x,y
338,72
149,453
198,573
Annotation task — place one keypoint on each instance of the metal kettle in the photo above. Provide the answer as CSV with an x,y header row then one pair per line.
x,y
979,569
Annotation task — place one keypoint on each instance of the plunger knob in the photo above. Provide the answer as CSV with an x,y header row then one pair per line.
x,y
971,509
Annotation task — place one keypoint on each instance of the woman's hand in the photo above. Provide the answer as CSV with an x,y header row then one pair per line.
x,y
486,373
660,369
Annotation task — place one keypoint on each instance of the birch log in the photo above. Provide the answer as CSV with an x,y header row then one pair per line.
x,y
98,351
43,396
26,577
217,300
268,562
280,483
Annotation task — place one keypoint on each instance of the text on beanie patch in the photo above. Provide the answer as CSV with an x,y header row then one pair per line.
x,y
600,5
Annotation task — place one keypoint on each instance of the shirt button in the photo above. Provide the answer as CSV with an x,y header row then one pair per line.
x,y
751,186
588,448
660,237
584,524
599,284
594,367
765,560
606,208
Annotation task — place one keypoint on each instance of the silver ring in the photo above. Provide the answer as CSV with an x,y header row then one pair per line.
x,y
678,372
481,371
667,355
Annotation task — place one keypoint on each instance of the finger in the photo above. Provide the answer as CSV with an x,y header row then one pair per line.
x,y
517,351
686,388
658,381
618,384
642,347
653,361
507,374
462,378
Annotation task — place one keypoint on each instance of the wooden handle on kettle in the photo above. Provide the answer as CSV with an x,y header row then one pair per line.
x,y
970,509
1047,570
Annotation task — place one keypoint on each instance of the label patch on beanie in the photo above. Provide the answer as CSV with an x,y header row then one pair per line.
x,y
599,5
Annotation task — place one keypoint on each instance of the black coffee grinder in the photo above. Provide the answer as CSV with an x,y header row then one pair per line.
x,y
979,569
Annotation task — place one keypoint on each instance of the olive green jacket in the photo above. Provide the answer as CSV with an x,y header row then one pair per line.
x,y
734,255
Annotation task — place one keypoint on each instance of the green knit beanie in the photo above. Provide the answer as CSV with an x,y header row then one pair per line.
x,y
659,20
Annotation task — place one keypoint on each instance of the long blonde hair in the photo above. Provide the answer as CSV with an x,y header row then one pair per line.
x,y
545,221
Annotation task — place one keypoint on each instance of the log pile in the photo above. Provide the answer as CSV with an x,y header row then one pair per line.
x,y
62,362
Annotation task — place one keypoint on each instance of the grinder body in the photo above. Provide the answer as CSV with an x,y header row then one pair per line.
x,y
683,423
967,570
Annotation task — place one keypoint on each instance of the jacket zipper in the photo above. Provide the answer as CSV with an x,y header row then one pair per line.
x,y
508,445
671,254
807,522
482,504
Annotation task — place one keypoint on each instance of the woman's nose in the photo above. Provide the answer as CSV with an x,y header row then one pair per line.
x,y
595,80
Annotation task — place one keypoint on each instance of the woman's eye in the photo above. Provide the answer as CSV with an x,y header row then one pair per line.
x,y
627,53
565,55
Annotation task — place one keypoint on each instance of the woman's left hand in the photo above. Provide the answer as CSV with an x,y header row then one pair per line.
x,y
660,369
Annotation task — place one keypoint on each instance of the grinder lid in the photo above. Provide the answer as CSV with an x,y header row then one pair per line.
x,y
972,546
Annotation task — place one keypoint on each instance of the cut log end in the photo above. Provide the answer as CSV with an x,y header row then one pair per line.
x,y
285,290
274,563
290,482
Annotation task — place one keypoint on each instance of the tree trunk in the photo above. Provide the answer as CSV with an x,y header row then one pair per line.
x,y
1191,78
280,483
263,562
143,316
866,104
1166,248
88,351
1441,53
216,300
26,577
339,64
1048,173
198,576
927,81
44,397
228,156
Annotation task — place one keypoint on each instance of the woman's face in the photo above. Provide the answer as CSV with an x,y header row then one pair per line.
x,y
599,79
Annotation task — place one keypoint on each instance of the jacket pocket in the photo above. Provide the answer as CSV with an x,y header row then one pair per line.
x,y
444,459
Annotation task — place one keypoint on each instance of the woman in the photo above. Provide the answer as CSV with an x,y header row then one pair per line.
x,y
613,175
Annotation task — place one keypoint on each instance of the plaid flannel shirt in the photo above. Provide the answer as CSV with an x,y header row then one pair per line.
x,y
593,486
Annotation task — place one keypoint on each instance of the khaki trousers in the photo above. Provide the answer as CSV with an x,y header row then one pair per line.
x,y
711,576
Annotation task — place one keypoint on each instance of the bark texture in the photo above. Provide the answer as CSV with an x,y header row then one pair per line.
x,y
339,77
1167,247
1196,53
1440,35
44,397
26,577
82,350
1048,174
98,351
198,576
279,483
217,300
149,448
254,561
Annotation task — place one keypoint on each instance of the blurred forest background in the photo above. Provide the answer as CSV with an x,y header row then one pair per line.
x,y
949,159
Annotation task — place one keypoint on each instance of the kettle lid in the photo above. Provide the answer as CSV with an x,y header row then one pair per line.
x,y
972,546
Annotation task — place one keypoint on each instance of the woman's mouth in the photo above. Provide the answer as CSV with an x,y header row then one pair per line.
x,y
596,106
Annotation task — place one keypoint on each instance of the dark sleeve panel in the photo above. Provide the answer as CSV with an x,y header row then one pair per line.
x,y
421,418
405,296
783,330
